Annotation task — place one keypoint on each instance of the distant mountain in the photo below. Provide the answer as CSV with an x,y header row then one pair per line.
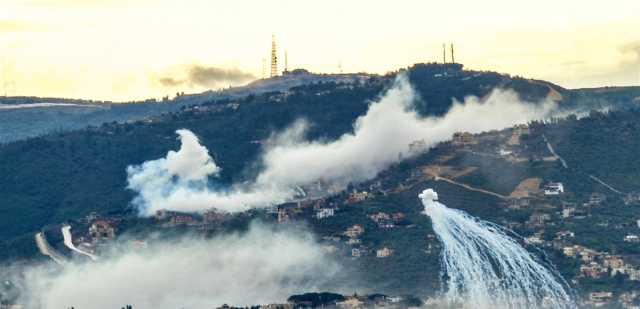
x,y
24,117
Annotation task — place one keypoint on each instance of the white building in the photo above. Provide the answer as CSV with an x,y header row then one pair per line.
x,y
632,238
325,213
384,252
554,188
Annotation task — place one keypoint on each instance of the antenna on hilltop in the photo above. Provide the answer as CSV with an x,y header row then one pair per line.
x,y
286,62
264,68
453,59
274,57
444,53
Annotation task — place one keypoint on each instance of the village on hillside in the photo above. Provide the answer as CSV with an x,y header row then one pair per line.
x,y
545,212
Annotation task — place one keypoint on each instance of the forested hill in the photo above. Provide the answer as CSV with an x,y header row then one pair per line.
x,y
61,176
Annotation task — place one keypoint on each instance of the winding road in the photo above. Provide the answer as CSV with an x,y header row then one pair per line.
x,y
45,249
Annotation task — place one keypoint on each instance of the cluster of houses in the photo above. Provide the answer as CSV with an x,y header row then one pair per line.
x,y
209,220
388,221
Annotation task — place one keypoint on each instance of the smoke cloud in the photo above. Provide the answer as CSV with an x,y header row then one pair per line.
x,y
209,77
380,138
260,266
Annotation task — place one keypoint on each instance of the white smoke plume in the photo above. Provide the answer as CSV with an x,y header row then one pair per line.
x,y
380,138
260,266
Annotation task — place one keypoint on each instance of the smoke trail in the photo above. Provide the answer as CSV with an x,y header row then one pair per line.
x,y
488,269
380,138
68,242
206,76
261,266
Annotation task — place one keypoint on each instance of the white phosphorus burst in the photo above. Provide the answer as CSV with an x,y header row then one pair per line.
x,y
485,268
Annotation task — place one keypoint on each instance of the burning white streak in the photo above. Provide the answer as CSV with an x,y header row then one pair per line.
x,y
486,268
380,138
259,267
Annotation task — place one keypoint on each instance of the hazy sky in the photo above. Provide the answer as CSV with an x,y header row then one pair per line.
x,y
133,49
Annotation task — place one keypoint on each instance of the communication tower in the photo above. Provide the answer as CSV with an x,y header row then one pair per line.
x,y
453,59
274,57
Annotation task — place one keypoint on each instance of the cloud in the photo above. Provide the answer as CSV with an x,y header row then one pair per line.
x,y
208,77
263,265
632,49
170,81
380,138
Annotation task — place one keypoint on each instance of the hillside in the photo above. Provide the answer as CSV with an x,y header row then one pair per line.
x,y
66,176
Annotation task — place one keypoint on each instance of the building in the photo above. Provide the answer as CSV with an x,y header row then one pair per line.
x,y
564,234
534,240
283,215
101,228
634,274
386,224
569,251
178,220
554,188
352,302
325,213
587,255
384,252
595,199
632,198
592,270
417,147
354,231
613,261
463,138
599,299
400,217
213,217
357,252
538,219
568,212
357,197
379,217
632,238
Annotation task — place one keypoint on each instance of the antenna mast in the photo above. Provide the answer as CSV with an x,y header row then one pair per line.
x,y
453,59
274,57
286,62
444,53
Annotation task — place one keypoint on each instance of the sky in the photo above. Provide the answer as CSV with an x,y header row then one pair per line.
x,y
136,49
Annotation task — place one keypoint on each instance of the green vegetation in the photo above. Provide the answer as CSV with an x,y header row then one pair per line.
x,y
61,177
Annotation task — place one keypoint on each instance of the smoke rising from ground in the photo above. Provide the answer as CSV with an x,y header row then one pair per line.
x,y
208,77
259,267
380,138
